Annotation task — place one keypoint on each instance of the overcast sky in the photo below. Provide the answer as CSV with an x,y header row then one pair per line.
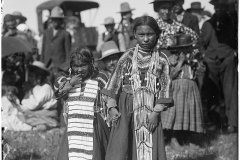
x,y
106,8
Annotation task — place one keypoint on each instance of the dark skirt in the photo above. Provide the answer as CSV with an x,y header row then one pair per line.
x,y
100,140
122,145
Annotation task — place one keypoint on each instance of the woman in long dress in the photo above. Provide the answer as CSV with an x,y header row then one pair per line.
x,y
186,114
138,91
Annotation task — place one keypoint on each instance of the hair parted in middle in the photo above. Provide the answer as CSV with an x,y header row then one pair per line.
x,y
149,21
81,54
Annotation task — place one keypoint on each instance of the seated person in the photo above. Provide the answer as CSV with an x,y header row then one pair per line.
x,y
12,116
39,103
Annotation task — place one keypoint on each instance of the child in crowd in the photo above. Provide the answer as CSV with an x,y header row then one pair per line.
x,y
86,134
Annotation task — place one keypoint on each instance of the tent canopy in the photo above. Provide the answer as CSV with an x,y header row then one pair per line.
x,y
74,5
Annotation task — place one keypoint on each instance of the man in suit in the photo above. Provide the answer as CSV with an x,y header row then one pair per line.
x,y
56,41
180,15
111,34
220,54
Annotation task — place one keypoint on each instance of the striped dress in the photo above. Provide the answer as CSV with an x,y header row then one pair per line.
x,y
81,110
86,134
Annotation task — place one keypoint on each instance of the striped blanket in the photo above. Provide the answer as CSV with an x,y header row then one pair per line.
x,y
81,108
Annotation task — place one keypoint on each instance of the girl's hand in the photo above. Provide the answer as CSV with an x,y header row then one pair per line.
x,y
114,115
152,121
76,79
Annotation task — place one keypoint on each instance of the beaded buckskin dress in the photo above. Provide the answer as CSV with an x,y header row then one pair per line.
x,y
140,81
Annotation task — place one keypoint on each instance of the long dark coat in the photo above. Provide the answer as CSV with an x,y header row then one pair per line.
x,y
219,46
55,48
189,20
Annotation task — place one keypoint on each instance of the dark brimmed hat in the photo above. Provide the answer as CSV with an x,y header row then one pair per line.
x,y
183,41
196,6
125,7
37,65
109,48
18,15
157,2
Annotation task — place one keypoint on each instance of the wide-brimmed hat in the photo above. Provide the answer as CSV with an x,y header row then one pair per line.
x,y
156,3
37,65
215,2
109,48
125,7
196,6
182,41
18,15
108,20
56,12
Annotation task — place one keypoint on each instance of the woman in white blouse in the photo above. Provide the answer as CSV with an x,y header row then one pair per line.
x,y
39,102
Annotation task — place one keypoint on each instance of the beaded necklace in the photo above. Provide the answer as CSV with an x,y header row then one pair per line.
x,y
143,101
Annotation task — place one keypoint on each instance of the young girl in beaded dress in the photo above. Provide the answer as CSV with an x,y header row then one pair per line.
x,y
86,134
138,92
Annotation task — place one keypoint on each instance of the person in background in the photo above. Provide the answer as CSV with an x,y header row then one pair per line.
x,y
110,56
20,19
190,21
83,112
111,34
169,27
196,10
135,100
126,24
176,118
12,114
46,26
9,28
220,51
39,101
206,15
15,64
56,43
72,23
199,12
23,27
180,15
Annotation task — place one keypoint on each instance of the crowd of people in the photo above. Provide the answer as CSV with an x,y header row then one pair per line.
x,y
155,81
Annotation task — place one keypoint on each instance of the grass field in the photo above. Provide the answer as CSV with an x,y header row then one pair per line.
x,y
44,146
